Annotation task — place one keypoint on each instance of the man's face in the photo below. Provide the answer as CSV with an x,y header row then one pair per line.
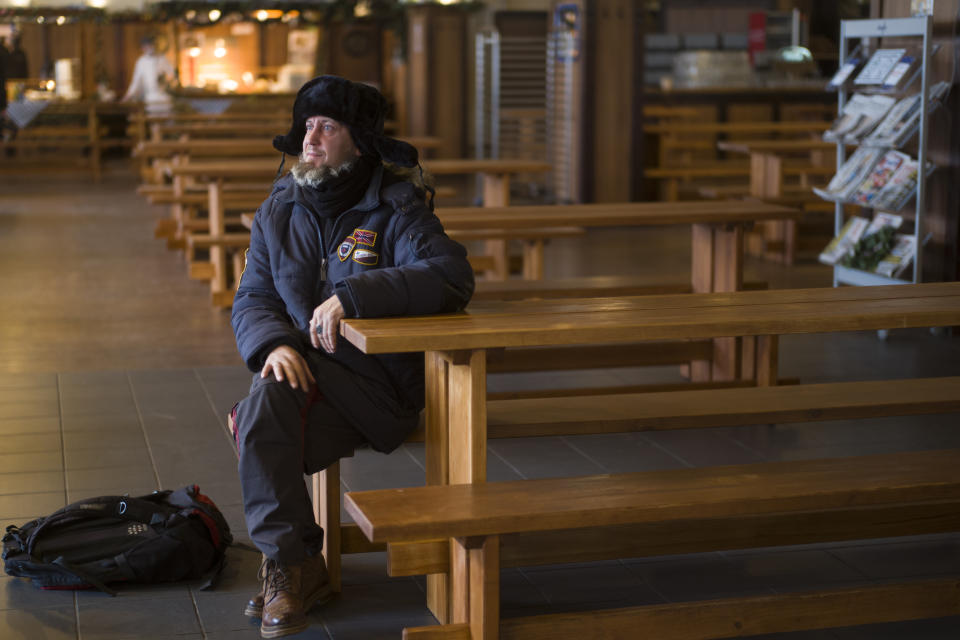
x,y
327,143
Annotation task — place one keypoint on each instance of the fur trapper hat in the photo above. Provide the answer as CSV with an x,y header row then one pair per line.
x,y
359,106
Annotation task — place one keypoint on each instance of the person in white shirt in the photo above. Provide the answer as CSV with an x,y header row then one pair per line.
x,y
151,74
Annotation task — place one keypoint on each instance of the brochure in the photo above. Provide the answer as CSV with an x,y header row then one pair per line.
x,y
903,119
850,174
900,257
890,184
881,63
875,109
840,246
843,74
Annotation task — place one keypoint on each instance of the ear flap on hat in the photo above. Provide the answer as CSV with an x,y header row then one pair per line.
x,y
396,151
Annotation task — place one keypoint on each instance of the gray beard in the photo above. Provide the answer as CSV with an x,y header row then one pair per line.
x,y
307,175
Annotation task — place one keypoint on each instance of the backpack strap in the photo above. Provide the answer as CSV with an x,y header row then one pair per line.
x,y
82,575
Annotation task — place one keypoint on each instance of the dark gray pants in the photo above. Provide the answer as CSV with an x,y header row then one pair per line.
x,y
283,434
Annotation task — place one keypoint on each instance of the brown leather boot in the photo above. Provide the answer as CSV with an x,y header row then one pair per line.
x,y
289,592
315,572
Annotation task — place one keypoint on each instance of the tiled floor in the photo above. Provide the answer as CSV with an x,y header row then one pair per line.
x,y
109,426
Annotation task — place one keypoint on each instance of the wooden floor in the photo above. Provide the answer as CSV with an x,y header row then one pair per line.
x,y
116,375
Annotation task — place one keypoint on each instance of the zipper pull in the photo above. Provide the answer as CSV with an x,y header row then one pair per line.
x,y
323,270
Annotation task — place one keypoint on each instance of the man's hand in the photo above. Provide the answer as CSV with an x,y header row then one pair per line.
x,y
286,363
325,324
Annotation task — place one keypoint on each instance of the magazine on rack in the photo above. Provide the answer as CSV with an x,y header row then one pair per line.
x,y
901,122
890,184
879,66
900,257
860,115
850,174
853,235
844,242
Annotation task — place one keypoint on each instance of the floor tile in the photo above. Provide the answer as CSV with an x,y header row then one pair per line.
x,y
543,457
25,426
895,560
697,577
108,618
28,506
117,480
585,584
795,570
29,395
18,410
98,438
120,421
31,482
701,447
11,463
47,623
373,612
622,452
107,457
20,594
32,442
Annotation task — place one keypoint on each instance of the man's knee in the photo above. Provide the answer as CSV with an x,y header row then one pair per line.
x,y
272,405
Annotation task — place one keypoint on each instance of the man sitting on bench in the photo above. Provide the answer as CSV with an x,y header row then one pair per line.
x,y
342,236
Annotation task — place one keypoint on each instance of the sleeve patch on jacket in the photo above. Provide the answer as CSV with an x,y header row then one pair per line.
x,y
366,257
343,251
363,236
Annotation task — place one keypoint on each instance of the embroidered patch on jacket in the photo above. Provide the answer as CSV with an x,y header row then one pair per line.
x,y
363,236
343,252
365,257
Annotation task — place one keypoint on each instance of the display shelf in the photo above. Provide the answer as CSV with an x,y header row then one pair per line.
x,y
862,32
857,277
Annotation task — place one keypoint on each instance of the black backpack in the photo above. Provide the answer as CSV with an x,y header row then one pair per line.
x,y
161,537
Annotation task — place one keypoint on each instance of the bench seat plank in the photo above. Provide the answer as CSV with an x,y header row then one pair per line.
x,y
750,615
449,511
722,407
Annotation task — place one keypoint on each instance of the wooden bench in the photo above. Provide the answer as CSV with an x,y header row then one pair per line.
x,y
553,414
456,348
673,177
836,499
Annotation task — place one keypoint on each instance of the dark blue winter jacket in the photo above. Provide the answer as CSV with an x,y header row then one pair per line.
x,y
386,256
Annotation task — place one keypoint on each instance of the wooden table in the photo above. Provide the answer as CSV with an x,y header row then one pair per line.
x,y
496,175
716,252
215,174
766,182
456,346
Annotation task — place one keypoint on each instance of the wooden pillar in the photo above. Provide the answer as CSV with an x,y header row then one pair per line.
x,y
437,76
613,52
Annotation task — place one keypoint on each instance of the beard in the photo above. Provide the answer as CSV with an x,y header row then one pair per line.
x,y
307,175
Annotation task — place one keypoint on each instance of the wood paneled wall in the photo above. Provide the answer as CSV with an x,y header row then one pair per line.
x,y
941,259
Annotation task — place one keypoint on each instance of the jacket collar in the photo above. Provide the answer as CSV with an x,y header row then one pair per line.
x,y
369,201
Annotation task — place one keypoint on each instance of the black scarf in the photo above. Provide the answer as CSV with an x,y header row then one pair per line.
x,y
335,195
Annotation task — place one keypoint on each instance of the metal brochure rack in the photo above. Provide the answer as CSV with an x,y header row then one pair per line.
x,y
920,27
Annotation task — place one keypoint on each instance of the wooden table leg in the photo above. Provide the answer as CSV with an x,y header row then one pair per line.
x,y
533,260
465,397
476,585
437,455
766,181
717,266
496,193
767,360
218,253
